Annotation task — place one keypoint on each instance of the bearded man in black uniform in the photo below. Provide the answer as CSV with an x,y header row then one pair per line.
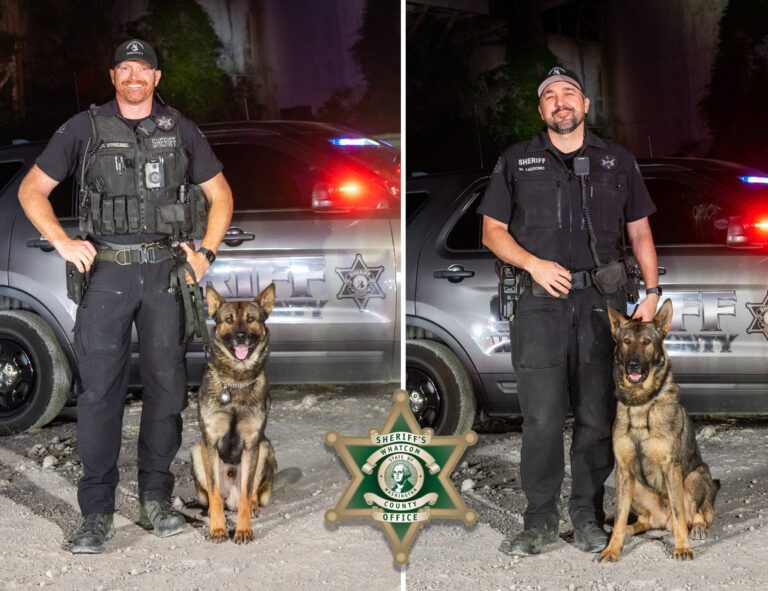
x,y
560,335
146,174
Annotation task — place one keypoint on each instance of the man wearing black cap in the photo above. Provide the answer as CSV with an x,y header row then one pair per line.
x,y
537,217
147,178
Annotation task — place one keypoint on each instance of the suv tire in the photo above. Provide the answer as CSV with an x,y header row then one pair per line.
x,y
35,377
437,381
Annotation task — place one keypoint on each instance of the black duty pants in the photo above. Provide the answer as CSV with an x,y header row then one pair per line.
x,y
117,297
562,351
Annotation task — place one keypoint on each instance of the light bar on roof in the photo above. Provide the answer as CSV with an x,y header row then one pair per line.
x,y
755,180
354,141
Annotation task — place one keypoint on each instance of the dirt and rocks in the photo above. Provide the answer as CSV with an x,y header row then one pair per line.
x,y
294,549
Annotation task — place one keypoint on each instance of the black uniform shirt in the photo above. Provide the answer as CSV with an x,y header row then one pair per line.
x,y
533,191
64,152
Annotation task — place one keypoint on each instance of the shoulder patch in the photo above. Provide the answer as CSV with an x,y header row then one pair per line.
x,y
499,165
62,127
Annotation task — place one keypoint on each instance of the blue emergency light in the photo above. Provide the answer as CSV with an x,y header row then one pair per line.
x,y
354,141
757,180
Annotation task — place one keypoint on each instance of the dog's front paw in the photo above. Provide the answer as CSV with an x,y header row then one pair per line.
x,y
243,536
218,534
683,553
609,555
699,532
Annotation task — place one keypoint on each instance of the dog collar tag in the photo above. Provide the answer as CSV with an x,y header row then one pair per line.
x,y
225,397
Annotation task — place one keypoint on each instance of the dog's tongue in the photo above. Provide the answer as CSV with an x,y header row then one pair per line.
x,y
635,377
241,351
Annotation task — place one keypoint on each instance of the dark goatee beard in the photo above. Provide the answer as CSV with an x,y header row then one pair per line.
x,y
564,126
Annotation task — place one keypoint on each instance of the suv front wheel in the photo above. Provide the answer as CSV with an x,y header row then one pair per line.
x,y
35,378
439,392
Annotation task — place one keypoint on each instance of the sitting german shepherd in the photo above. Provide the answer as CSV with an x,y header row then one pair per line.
x,y
659,470
234,464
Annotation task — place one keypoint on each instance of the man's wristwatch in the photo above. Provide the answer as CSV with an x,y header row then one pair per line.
x,y
209,254
652,290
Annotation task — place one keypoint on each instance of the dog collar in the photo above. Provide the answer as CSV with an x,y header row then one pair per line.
x,y
225,397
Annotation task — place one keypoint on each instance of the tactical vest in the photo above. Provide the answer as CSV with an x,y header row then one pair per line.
x,y
547,220
135,181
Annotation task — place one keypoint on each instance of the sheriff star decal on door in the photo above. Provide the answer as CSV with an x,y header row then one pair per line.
x,y
360,282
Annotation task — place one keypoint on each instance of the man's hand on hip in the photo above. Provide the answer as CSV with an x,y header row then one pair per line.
x,y
197,261
551,276
80,252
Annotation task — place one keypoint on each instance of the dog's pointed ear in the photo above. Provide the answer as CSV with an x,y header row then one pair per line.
x,y
213,298
663,318
266,299
617,320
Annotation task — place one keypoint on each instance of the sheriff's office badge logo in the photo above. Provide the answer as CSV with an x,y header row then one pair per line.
x,y
401,477
360,282
135,46
759,317
608,162
164,123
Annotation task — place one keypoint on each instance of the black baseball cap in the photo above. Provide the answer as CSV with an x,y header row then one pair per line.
x,y
135,49
560,74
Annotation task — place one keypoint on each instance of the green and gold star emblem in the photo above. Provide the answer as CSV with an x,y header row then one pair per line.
x,y
401,477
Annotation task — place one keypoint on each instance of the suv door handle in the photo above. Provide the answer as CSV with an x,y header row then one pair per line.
x,y
235,236
454,274
40,243
662,270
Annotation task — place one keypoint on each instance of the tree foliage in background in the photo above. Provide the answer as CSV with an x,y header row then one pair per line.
x,y
457,120
734,106
377,52
67,48
513,115
440,94
8,50
188,51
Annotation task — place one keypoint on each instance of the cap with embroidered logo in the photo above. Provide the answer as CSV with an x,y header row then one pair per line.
x,y
559,74
135,49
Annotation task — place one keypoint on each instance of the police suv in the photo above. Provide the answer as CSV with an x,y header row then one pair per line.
x,y
317,212
711,233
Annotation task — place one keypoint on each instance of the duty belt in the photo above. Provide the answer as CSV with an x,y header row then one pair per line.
x,y
129,254
579,279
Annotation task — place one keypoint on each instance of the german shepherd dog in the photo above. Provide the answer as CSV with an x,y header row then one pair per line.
x,y
659,471
234,464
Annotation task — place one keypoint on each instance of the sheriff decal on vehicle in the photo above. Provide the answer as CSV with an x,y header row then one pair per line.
x,y
360,282
759,317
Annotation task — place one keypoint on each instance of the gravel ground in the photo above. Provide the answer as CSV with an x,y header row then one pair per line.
x,y
295,550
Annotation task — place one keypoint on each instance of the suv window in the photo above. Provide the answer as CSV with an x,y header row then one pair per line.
x,y
413,203
467,234
8,170
265,178
685,215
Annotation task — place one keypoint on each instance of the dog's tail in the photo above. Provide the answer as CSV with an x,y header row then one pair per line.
x,y
285,478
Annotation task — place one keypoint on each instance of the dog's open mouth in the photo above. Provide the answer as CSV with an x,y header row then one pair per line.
x,y
635,377
241,352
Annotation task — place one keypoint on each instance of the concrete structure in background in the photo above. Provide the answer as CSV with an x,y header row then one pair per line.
x,y
658,56
308,43
646,71
294,53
